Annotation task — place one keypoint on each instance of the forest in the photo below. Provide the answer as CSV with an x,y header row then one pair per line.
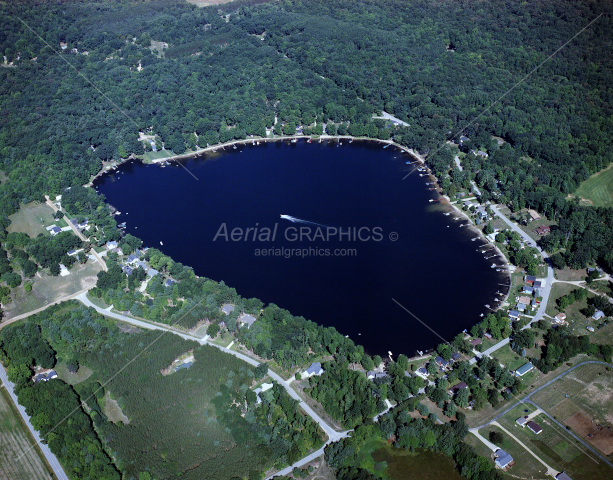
x,y
201,422
190,75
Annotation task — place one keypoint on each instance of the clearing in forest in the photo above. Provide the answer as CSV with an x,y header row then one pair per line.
x,y
598,189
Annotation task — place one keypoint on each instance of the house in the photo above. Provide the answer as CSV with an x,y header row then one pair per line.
x,y
560,318
461,195
521,371
513,314
153,147
83,224
142,265
542,230
54,231
422,372
247,320
372,374
75,222
598,315
475,341
441,362
183,366
127,270
63,45
487,335
455,356
457,388
132,259
503,459
529,290
264,387
521,307
600,272
169,282
538,283
537,292
152,272
44,376
530,279
589,329
521,421
111,245
534,427
563,476
227,308
314,369
523,299
72,252
533,215
463,139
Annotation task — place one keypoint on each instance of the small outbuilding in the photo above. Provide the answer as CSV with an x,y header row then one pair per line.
x,y
525,368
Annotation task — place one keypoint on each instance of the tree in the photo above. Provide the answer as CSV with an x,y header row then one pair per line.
x,y
403,361
431,368
461,398
261,371
496,437
488,229
450,409
213,330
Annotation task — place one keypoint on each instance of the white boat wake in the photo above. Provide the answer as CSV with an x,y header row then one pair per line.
x,y
300,220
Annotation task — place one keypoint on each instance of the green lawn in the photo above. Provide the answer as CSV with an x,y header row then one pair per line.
x,y
598,189
31,219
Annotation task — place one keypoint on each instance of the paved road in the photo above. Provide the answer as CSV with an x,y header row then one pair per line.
x,y
545,290
527,399
51,458
332,434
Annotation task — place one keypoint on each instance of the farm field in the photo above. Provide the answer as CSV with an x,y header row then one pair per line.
x,y
583,400
598,189
14,440
31,219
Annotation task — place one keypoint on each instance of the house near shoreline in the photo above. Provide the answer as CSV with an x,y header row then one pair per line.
x,y
523,299
530,279
314,369
475,341
528,290
227,308
521,307
422,372
371,374
513,314
441,362
111,245
247,320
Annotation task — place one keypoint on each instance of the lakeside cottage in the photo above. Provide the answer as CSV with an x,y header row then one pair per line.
x,y
372,374
247,320
513,314
227,308
477,341
314,369
111,245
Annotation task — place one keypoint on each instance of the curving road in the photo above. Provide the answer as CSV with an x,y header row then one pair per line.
x,y
51,458
332,434
546,291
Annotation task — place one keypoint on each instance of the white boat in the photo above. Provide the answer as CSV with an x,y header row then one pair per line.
x,y
387,145
294,140
161,243
493,265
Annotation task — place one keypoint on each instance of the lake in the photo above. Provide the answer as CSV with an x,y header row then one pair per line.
x,y
365,237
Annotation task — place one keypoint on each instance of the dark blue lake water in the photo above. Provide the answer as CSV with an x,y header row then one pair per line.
x,y
395,243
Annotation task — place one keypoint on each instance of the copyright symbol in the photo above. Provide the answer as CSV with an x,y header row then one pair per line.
x,y
393,236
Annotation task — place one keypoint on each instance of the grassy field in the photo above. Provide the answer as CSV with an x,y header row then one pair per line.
x,y
589,388
113,411
526,466
47,289
510,359
15,439
31,219
149,156
598,189
72,378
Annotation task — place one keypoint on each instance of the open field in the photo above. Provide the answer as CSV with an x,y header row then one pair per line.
x,y
526,466
113,411
15,441
31,219
72,378
570,275
510,359
582,400
603,335
48,289
598,189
